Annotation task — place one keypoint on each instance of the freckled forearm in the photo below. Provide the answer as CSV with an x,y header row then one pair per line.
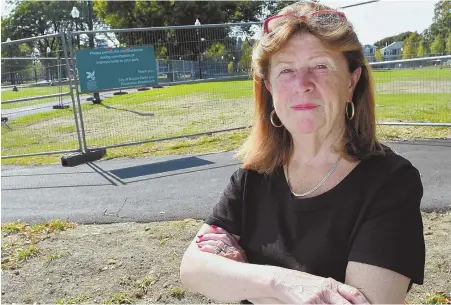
x,y
223,279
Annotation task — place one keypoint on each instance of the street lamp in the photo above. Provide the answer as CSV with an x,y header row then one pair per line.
x,y
76,14
47,70
197,23
34,55
11,72
233,64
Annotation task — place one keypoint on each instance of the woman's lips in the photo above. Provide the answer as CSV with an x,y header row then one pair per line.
x,y
304,107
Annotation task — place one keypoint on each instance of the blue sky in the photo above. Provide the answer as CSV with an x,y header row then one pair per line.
x,y
385,18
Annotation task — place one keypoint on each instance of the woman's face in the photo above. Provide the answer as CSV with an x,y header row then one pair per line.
x,y
310,85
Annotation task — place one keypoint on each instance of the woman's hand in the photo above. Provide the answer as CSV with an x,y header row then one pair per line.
x,y
221,243
290,286
298,287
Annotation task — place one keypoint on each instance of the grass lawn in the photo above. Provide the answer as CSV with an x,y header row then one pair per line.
x,y
422,107
31,92
189,109
419,74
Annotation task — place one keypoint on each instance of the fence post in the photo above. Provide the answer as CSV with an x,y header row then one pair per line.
x,y
69,77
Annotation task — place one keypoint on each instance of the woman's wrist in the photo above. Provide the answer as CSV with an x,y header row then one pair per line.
x,y
286,279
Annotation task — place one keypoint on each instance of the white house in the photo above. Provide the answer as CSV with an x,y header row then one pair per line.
x,y
393,50
369,50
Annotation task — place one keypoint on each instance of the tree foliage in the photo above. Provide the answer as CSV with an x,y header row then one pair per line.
x,y
36,18
432,40
378,54
186,43
448,44
388,40
422,49
438,45
410,45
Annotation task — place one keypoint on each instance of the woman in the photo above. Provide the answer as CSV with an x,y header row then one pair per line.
x,y
320,211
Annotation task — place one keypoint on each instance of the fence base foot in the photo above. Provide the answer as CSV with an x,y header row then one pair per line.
x,y
80,158
157,86
120,93
143,89
60,106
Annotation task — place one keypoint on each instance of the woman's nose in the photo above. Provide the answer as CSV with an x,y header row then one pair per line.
x,y
304,81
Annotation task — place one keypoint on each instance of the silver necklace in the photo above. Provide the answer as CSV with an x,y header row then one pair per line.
x,y
318,185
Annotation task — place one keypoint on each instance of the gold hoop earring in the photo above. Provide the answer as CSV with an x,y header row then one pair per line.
x,y
271,117
352,110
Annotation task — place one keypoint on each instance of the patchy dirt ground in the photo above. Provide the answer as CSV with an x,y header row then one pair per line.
x,y
139,263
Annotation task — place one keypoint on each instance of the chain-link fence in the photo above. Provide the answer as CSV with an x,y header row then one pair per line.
x,y
204,87
38,114
204,71
414,91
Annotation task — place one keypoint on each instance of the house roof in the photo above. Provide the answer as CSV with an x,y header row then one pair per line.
x,y
393,45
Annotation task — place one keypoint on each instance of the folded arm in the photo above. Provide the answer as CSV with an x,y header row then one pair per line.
x,y
226,280
379,285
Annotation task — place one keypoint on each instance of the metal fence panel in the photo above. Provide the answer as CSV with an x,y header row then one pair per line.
x,y
194,66
205,79
204,73
38,116
413,91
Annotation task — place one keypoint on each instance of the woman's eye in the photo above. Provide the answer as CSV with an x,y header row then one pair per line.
x,y
321,67
286,71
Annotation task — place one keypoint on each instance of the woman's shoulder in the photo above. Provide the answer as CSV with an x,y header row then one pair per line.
x,y
390,160
246,176
396,183
391,168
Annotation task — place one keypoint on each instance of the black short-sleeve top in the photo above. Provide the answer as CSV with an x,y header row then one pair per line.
x,y
372,216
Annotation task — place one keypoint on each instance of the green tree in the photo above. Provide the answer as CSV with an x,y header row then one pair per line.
x,y
36,18
442,19
273,7
438,46
421,50
216,50
410,46
433,40
388,40
246,56
378,55
230,67
448,44
17,69
188,42
131,14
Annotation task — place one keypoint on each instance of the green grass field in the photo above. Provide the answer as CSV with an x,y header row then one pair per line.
x,y
196,108
8,95
418,74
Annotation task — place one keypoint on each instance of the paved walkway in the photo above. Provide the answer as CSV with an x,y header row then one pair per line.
x,y
167,188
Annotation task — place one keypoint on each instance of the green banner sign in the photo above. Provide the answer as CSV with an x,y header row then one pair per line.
x,y
116,68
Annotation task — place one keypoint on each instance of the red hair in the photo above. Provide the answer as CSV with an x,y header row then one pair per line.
x,y
268,147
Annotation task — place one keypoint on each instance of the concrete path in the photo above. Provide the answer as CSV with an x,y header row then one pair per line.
x,y
167,188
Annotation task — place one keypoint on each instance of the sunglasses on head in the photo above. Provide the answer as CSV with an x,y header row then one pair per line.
x,y
324,19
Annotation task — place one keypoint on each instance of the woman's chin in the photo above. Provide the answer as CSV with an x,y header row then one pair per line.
x,y
306,126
